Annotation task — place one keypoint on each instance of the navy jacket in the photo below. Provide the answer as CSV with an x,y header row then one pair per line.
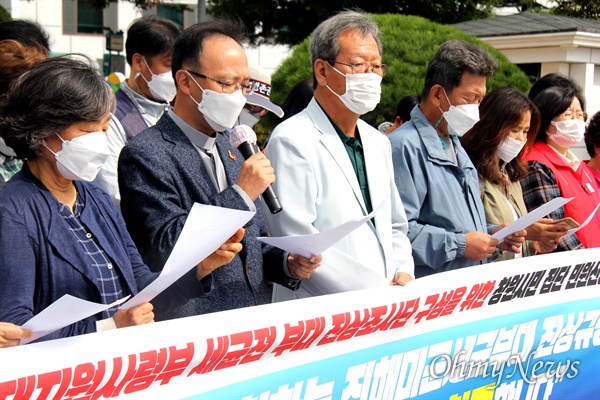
x,y
161,176
40,259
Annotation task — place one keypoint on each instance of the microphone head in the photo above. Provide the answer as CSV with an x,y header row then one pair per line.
x,y
241,134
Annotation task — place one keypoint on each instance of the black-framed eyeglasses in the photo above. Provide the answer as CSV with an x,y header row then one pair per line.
x,y
246,88
359,68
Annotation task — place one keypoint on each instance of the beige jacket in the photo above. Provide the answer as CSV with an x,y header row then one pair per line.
x,y
497,211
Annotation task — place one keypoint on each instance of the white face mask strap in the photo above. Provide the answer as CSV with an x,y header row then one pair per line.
x,y
446,94
147,66
337,70
48,148
139,73
331,90
197,84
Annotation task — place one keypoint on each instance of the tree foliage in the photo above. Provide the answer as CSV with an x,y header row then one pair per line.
x,y
578,8
290,21
4,14
408,45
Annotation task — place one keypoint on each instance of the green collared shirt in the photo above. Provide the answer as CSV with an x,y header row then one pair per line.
x,y
354,148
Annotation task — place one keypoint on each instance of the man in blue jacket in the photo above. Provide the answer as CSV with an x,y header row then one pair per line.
x,y
437,182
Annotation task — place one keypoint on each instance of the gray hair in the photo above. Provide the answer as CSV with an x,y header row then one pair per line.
x,y
48,98
324,41
452,60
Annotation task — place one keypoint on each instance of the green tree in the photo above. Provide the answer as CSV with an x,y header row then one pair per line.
x,y
408,45
522,5
578,8
290,21
4,14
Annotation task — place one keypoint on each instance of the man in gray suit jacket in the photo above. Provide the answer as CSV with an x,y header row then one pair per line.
x,y
186,158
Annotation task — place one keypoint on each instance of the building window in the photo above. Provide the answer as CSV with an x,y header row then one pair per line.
x,y
172,12
89,19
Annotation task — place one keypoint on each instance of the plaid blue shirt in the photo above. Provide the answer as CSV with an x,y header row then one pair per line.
x,y
107,275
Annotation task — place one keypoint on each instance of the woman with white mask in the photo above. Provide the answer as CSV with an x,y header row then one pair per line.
x,y
495,145
555,171
61,234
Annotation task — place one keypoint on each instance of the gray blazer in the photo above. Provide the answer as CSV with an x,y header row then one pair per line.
x,y
160,177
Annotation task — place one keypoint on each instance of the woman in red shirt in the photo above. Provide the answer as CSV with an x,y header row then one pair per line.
x,y
554,171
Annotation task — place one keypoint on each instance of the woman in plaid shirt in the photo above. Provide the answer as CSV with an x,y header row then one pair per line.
x,y
554,171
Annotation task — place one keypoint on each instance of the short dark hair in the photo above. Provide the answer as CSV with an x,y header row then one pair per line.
x,y
150,36
189,44
406,105
552,102
28,33
592,135
49,97
555,79
499,111
452,60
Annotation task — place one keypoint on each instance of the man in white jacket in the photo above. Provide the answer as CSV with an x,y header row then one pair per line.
x,y
332,167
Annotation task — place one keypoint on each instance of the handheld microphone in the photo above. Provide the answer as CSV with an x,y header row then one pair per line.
x,y
244,139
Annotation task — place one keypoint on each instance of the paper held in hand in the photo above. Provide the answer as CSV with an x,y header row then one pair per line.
x,y
531,217
316,243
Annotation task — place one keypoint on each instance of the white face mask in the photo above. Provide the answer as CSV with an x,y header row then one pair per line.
x,y
161,86
568,133
248,118
363,92
460,118
5,150
221,110
509,149
82,157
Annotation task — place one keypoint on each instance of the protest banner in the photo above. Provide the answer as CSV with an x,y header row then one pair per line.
x,y
522,329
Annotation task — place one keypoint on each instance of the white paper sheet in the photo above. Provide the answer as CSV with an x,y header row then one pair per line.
x,y
530,218
587,221
316,243
206,229
63,312
333,277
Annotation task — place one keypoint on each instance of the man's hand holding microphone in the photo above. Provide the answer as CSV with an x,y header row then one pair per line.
x,y
255,178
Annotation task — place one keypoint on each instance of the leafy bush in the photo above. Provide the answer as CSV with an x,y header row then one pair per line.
x,y
408,44
4,14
